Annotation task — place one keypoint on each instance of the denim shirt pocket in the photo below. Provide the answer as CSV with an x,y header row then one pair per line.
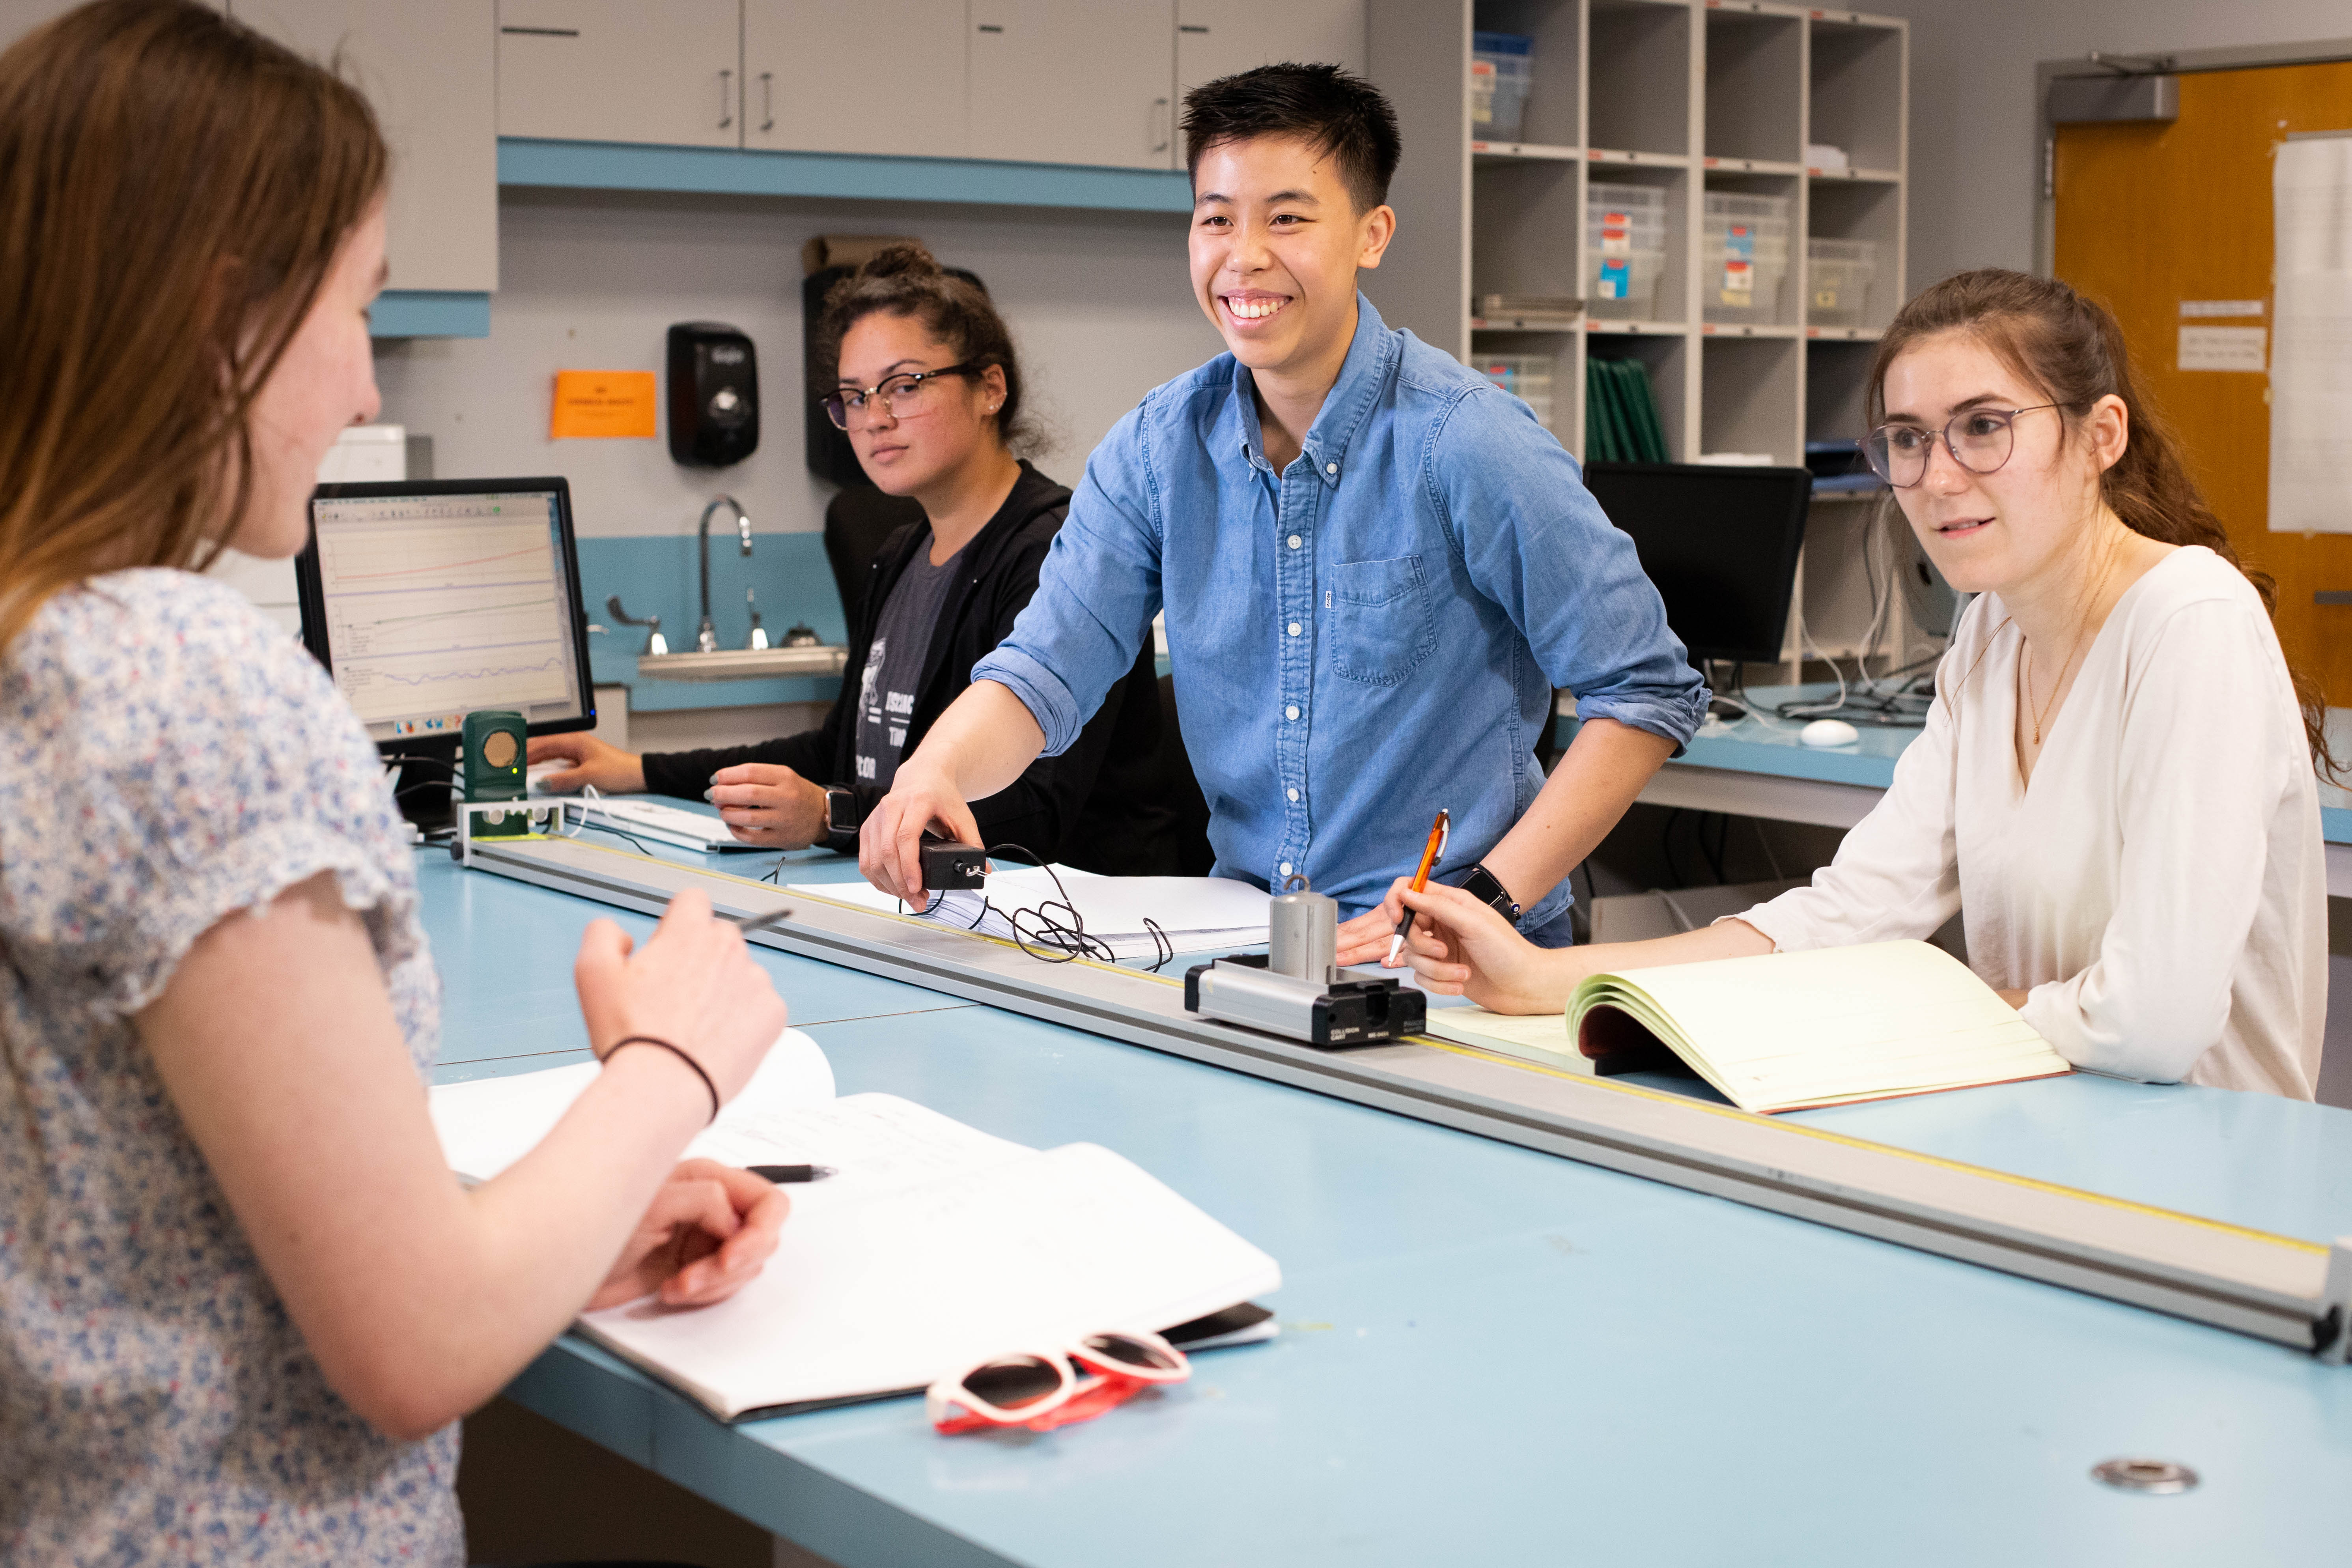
x,y
1381,624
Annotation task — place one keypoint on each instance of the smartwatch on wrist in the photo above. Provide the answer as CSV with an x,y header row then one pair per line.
x,y
1482,885
841,820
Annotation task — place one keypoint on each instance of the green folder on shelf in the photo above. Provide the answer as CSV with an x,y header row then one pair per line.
x,y
1621,423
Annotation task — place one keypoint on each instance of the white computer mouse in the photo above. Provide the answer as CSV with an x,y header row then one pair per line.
x,y
1829,732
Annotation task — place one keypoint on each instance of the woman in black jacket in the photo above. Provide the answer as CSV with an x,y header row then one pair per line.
x,y
929,392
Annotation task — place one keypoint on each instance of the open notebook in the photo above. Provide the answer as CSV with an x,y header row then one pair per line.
x,y
936,1246
1784,1031
1197,914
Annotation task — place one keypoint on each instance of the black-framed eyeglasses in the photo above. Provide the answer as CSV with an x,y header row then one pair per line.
x,y
1979,439
900,396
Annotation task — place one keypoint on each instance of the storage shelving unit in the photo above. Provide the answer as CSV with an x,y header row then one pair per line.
x,y
1689,97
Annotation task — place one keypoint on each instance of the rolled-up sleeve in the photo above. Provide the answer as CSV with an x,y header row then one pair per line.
x,y
1096,596
1536,543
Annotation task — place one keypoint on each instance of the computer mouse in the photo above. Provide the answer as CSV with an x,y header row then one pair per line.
x,y
1829,732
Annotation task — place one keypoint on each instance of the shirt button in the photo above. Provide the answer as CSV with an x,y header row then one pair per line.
x,y
1294,628
1330,468
1295,542
1291,711
1285,868
1294,795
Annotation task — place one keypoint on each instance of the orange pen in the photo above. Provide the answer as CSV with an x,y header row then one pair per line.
x,y
1437,834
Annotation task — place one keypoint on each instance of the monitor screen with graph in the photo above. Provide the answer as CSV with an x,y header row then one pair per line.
x,y
428,599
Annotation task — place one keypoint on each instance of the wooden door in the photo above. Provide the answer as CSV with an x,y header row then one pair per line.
x,y
621,70
2151,215
1075,81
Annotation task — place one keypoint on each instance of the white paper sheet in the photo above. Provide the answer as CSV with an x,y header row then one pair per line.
x,y
1198,913
488,1124
894,1292
2311,359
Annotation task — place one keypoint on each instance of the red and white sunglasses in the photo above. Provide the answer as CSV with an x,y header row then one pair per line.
x,y
1044,1389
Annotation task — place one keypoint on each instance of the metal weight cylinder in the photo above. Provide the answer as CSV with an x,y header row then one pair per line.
x,y
1302,935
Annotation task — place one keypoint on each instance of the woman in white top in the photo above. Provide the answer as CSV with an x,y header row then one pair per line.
x,y
243,1300
2115,787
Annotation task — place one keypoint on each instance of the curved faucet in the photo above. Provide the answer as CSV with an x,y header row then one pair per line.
x,y
706,637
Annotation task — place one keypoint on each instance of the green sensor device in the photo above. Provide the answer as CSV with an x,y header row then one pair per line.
x,y
495,757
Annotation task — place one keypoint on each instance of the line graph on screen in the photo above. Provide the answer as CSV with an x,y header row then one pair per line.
x,y
444,614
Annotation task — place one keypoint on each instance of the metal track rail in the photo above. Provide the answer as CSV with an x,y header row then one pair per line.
x,y
2282,1289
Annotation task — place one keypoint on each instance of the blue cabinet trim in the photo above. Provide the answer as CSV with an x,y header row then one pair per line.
x,y
426,313
654,574
617,166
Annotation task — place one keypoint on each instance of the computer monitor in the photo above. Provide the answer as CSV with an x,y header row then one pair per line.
x,y
428,599
1721,544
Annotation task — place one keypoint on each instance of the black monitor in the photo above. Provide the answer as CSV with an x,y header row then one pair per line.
x,y
1721,544
428,599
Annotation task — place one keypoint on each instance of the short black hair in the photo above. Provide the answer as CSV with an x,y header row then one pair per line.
x,y
1337,113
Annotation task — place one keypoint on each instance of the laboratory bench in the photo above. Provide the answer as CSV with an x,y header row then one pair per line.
x,y
1494,1355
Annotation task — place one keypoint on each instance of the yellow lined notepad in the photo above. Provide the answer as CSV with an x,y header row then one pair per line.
x,y
1785,1031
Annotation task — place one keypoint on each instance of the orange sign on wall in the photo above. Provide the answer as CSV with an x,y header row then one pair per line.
x,y
602,404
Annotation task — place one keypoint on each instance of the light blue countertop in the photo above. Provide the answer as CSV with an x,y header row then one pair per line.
x,y
1496,1356
1766,743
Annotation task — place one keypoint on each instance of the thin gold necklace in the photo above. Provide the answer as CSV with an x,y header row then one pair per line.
x,y
2044,713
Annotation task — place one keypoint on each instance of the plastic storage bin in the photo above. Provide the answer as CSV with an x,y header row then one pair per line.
x,y
1527,377
1838,274
1502,68
1743,258
1625,251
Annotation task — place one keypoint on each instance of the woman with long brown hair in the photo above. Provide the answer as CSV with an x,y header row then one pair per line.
x,y
243,1300
2116,786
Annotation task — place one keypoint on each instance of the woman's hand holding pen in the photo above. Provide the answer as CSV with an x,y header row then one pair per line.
x,y
704,1236
1460,947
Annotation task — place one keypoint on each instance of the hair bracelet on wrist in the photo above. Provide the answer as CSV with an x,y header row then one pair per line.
x,y
680,1055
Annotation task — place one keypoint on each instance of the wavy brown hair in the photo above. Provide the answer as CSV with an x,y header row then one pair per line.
x,y
173,188
903,279
2073,350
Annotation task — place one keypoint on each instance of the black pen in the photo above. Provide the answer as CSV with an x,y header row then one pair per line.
x,y
750,924
780,1174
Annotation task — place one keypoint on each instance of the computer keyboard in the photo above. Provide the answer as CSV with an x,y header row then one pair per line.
x,y
652,819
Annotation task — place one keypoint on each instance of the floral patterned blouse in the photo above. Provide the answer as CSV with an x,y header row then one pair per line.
x,y
168,758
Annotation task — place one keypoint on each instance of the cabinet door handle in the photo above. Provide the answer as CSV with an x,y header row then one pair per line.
x,y
1159,131
768,100
726,99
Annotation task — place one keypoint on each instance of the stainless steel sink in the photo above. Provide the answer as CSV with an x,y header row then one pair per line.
x,y
742,663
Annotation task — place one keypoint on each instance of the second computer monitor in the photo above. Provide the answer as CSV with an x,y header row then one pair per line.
x,y
429,599
1721,544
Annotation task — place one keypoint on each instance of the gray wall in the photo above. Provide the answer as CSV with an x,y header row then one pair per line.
x,y
1973,162
1098,303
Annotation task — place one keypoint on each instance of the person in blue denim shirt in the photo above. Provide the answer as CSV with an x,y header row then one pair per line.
x,y
1375,566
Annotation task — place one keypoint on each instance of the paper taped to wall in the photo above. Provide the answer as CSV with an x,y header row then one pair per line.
x,y
2311,368
2223,347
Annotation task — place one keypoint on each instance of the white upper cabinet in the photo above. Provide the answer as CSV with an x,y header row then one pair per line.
x,y
1073,81
426,66
1219,38
856,76
621,70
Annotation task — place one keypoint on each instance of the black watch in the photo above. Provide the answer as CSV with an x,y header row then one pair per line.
x,y
841,820
1481,885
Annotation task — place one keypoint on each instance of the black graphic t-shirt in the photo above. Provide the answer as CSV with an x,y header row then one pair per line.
x,y
893,665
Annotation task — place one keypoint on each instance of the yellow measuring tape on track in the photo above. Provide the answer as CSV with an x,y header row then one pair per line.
x,y
2283,1289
